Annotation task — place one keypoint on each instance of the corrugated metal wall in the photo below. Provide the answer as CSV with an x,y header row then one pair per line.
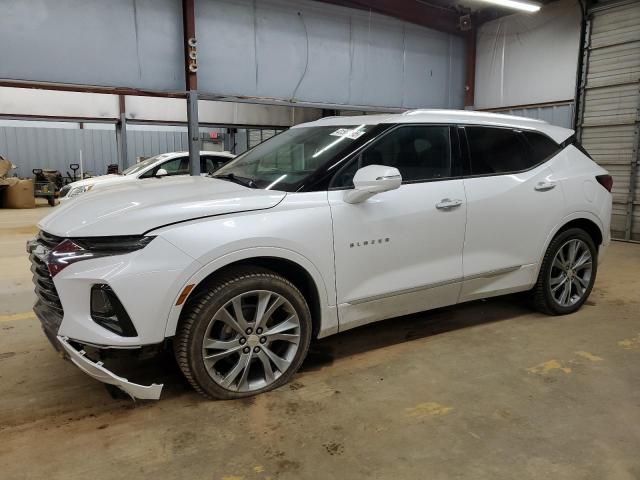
x,y
559,114
257,136
610,107
149,143
56,148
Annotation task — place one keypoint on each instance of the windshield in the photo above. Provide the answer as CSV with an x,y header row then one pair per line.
x,y
143,164
283,162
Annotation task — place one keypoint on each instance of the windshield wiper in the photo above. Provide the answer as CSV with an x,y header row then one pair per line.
x,y
245,182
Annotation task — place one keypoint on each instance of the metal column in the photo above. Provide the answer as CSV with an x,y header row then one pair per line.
x,y
193,132
191,83
121,135
470,69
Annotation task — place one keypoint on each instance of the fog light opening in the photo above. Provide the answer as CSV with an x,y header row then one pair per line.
x,y
108,312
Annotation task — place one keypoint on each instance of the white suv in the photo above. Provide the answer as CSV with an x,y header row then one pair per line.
x,y
163,165
330,225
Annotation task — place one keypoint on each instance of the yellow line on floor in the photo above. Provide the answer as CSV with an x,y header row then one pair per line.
x,y
17,316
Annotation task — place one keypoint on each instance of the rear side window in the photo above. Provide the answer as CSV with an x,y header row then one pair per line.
x,y
542,147
496,151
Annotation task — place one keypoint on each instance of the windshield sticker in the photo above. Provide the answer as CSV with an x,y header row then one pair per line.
x,y
353,133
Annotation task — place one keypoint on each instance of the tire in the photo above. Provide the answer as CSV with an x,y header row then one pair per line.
x,y
51,201
212,343
560,273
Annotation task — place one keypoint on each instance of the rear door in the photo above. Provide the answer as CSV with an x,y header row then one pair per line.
x,y
513,203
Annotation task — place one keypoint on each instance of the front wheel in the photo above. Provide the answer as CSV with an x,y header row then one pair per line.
x,y
246,334
567,274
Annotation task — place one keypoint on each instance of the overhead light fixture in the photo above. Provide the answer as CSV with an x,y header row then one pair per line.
x,y
517,4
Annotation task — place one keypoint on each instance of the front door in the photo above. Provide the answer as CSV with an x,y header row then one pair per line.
x,y
400,251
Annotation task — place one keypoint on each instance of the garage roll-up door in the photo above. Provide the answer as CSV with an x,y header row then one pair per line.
x,y
609,106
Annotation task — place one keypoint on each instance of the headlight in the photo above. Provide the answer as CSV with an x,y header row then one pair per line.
x,y
74,250
74,192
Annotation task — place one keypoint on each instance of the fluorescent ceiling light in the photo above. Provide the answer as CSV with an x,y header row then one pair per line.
x,y
517,4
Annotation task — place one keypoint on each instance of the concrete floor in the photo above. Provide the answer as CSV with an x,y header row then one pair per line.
x,y
482,390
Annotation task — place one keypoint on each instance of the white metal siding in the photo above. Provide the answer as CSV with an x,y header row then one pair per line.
x,y
257,135
560,114
56,148
610,105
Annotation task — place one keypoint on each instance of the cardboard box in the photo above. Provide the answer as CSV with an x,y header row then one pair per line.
x,y
18,193
5,166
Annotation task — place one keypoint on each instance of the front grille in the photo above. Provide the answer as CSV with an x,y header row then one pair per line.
x,y
47,240
48,308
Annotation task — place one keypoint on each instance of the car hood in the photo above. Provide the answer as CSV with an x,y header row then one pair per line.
x,y
102,180
133,208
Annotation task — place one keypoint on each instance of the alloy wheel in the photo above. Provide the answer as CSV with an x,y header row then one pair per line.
x,y
251,341
570,274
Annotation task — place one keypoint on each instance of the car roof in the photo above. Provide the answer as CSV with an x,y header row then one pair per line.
x,y
169,155
462,117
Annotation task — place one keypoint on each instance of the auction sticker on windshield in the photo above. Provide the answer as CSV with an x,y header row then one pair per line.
x,y
353,133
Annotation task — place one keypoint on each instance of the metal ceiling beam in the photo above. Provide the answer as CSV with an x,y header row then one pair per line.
x,y
411,11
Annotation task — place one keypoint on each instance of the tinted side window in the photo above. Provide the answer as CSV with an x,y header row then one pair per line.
x,y
542,146
211,163
177,166
419,152
496,150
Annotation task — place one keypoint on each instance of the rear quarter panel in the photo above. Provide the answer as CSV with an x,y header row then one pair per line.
x,y
584,197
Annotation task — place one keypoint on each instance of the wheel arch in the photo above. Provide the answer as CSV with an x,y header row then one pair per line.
x,y
294,267
586,221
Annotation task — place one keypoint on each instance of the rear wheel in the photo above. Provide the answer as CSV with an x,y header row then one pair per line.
x,y
567,274
246,334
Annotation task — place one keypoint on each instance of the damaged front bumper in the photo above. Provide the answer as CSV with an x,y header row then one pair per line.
x,y
99,372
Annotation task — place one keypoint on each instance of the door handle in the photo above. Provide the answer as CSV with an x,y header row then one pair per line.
x,y
544,186
447,203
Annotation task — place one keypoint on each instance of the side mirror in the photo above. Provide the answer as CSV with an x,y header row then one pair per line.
x,y
161,173
371,180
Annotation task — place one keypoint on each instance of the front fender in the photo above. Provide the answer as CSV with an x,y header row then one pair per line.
x,y
329,318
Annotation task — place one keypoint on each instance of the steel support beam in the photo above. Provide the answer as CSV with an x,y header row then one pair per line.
x,y
121,134
191,84
193,130
470,69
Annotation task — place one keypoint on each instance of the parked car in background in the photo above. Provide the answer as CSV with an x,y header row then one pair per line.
x,y
165,164
330,225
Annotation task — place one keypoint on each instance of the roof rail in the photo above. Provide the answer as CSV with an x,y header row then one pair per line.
x,y
470,113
